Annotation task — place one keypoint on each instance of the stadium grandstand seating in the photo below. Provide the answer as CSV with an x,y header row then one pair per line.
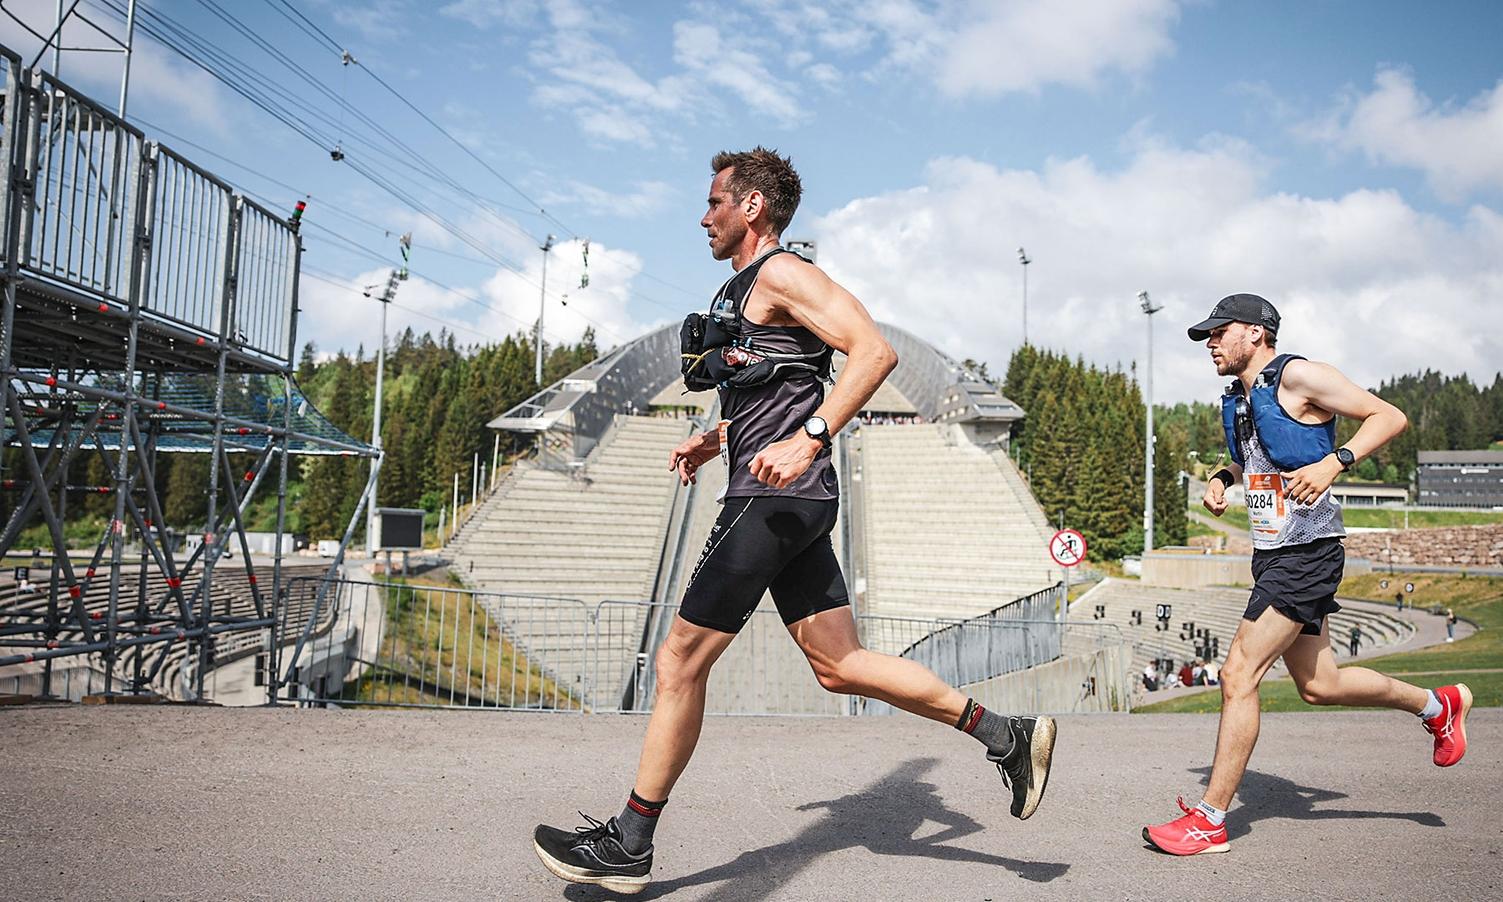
x,y
1217,609
231,593
950,530
590,534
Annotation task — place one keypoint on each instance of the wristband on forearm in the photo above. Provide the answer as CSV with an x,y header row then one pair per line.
x,y
1226,477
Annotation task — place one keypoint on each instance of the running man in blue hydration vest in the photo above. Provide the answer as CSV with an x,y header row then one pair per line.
x,y
1279,415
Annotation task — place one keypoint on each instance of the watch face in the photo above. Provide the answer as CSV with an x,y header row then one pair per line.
x,y
816,426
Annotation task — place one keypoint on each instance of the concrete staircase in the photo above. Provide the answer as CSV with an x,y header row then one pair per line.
x,y
1219,609
948,533
585,536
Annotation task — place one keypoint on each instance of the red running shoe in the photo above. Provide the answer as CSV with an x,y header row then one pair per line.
x,y
1449,726
1189,835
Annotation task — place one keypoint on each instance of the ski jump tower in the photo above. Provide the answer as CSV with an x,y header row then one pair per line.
x,y
148,308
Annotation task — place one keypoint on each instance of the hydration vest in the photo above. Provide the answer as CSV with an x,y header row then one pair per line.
x,y
1288,443
715,354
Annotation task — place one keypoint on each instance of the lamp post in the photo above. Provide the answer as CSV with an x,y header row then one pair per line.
x,y
1149,310
387,296
545,247
1024,259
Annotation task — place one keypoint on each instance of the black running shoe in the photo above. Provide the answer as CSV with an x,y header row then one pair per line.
x,y
1025,767
592,854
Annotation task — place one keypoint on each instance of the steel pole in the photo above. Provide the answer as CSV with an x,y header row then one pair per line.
x,y
370,512
545,247
1148,440
130,35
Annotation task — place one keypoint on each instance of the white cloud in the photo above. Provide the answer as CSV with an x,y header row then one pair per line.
x,y
335,317
157,75
376,20
701,50
572,309
493,13
590,82
1458,147
1001,48
1363,281
644,198
825,74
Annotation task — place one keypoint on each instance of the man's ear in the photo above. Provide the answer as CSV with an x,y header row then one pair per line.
x,y
752,204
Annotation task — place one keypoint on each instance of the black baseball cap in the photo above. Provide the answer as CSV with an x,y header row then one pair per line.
x,y
1237,308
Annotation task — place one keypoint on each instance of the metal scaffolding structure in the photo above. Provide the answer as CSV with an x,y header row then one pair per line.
x,y
148,308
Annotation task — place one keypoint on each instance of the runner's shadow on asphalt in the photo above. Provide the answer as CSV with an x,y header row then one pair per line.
x,y
883,819
1264,796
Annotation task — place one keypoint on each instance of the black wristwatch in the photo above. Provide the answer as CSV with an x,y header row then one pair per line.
x,y
817,428
1346,458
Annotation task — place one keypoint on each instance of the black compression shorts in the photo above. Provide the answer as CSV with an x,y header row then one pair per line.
x,y
761,543
1299,582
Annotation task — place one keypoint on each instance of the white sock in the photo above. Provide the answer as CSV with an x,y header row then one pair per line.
x,y
1213,814
1432,707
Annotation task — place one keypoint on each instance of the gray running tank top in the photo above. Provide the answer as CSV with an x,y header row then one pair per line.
x,y
772,412
1276,521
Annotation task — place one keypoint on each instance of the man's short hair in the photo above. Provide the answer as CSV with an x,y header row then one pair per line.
x,y
760,169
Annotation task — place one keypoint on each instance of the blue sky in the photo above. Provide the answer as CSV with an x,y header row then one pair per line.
x,y
1343,159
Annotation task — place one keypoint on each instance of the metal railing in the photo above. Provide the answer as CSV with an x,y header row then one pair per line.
x,y
84,165
265,271
192,212
406,645
100,203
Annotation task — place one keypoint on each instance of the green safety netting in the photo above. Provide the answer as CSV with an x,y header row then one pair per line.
x,y
256,399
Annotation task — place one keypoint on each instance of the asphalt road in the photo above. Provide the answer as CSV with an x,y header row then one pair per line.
x,y
181,803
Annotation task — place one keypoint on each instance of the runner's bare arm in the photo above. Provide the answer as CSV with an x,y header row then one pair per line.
x,y
806,295
693,453
1323,387
1215,495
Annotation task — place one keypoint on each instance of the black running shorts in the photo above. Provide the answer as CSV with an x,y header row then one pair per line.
x,y
761,543
1299,581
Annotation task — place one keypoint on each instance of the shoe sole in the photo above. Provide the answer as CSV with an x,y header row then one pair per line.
x,y
1042,746
1465,692
1208,850
620,884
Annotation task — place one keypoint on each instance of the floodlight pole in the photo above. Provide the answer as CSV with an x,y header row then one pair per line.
x,y
545,247
1149,310
1024,259
387,295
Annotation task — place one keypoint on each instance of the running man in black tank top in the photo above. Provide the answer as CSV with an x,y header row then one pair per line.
x,y
774,532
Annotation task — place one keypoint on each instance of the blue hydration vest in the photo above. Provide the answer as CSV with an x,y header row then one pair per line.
x,y
1288,443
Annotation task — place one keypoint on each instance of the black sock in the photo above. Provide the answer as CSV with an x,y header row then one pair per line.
x,y
988,726
637,821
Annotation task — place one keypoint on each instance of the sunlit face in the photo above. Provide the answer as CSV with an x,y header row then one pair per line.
x,y
725,220
1232,347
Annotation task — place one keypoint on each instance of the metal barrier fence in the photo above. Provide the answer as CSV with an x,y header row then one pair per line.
x,y
85,165
974,649
102,203
265,271
425,646
392,644
192,212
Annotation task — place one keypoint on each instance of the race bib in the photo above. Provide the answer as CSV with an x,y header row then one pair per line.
x,y
1265,503
723,429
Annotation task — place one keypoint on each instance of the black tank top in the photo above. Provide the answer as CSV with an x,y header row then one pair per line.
x,y
772,412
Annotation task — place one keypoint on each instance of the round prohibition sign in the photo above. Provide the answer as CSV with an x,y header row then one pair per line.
x,y
1067,547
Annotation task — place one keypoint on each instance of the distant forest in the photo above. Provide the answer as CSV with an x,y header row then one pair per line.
x,y
1081,444
1446,413
438,397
